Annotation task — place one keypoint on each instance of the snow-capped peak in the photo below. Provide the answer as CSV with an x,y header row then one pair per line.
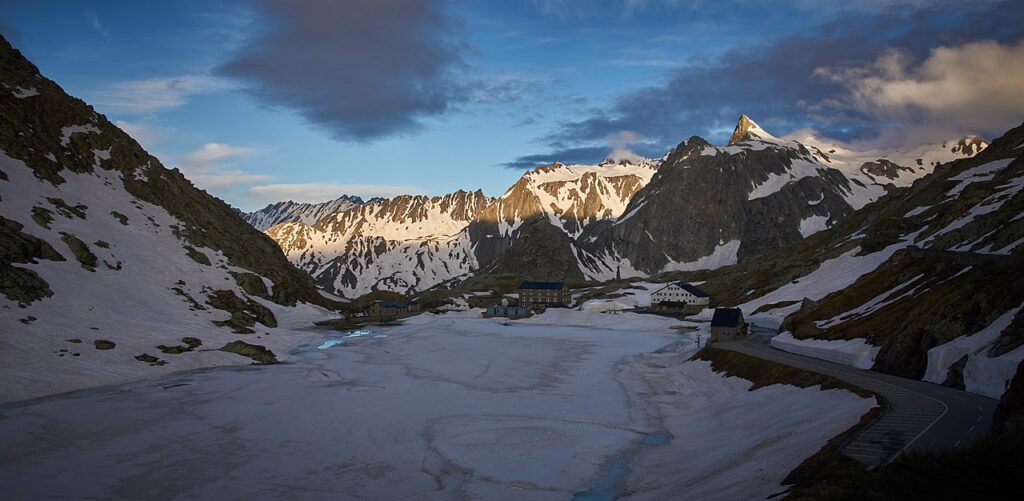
x,y
967,146
747,129
623,156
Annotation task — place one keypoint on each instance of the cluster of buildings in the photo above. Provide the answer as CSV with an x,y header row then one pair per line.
x,y
531,296
392,309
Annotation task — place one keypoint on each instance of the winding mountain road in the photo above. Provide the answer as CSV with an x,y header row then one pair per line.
x,y
921,416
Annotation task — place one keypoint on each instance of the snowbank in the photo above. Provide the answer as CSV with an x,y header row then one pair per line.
x,y
626,321
853,352
729,442
986,375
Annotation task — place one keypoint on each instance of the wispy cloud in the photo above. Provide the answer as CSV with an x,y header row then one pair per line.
x,y
145,134
155,94
319,192
212,152
213,167
93,20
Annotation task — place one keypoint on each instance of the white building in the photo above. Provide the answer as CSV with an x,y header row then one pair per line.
x,y
679,294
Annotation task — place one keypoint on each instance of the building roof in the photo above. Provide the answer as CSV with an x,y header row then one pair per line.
x,y
686,287
391,304
726,317
542,285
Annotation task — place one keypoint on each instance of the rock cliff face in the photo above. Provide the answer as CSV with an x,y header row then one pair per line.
x,y
700,207
401,244
412,243
293,212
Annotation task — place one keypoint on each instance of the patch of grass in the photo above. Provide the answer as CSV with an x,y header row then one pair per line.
x,y
764,373
80,250
121,218
259,354
244,312
42,216
150,359
103,344
197,256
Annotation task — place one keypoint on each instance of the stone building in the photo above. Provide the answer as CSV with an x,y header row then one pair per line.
x,y
727,324
544,294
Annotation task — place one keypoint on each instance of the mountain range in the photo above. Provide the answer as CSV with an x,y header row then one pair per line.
x,y
698,207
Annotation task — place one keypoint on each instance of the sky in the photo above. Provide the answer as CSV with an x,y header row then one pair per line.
x,y
258,101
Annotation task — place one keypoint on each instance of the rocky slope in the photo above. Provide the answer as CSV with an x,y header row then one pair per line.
x,y
412,243
700,207
754,195
922,283
113,267
295,212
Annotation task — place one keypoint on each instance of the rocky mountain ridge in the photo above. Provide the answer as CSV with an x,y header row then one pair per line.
x,y
411,243
699,207
289,212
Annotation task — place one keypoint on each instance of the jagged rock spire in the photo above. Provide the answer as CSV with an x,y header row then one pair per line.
x,y
747,129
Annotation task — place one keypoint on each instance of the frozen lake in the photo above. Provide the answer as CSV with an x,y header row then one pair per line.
x,y
440,408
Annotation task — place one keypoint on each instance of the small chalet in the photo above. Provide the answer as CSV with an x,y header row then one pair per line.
x,y
544,294
382,308
727,325
679,297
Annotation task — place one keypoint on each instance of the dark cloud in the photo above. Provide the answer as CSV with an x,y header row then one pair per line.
x,y
776,83
581,155
361,69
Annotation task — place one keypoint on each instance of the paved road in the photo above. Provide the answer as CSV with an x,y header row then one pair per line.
x,y
922,416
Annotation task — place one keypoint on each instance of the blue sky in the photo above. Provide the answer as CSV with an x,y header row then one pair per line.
x,y
264,100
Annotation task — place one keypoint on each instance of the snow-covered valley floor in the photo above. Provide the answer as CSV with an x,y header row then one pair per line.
x,y
442,407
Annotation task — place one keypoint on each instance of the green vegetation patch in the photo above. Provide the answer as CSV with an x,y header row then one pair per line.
x,y
150,359
123,219
66,210
244,312
17,283
252,284
199,257
103,344
80,250
42,216
764,373
189,344
259,354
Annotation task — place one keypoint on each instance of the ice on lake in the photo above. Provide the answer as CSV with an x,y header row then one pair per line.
x,y
444,407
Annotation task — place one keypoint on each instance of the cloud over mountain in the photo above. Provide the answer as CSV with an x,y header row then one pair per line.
x,y
360,69
782,82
